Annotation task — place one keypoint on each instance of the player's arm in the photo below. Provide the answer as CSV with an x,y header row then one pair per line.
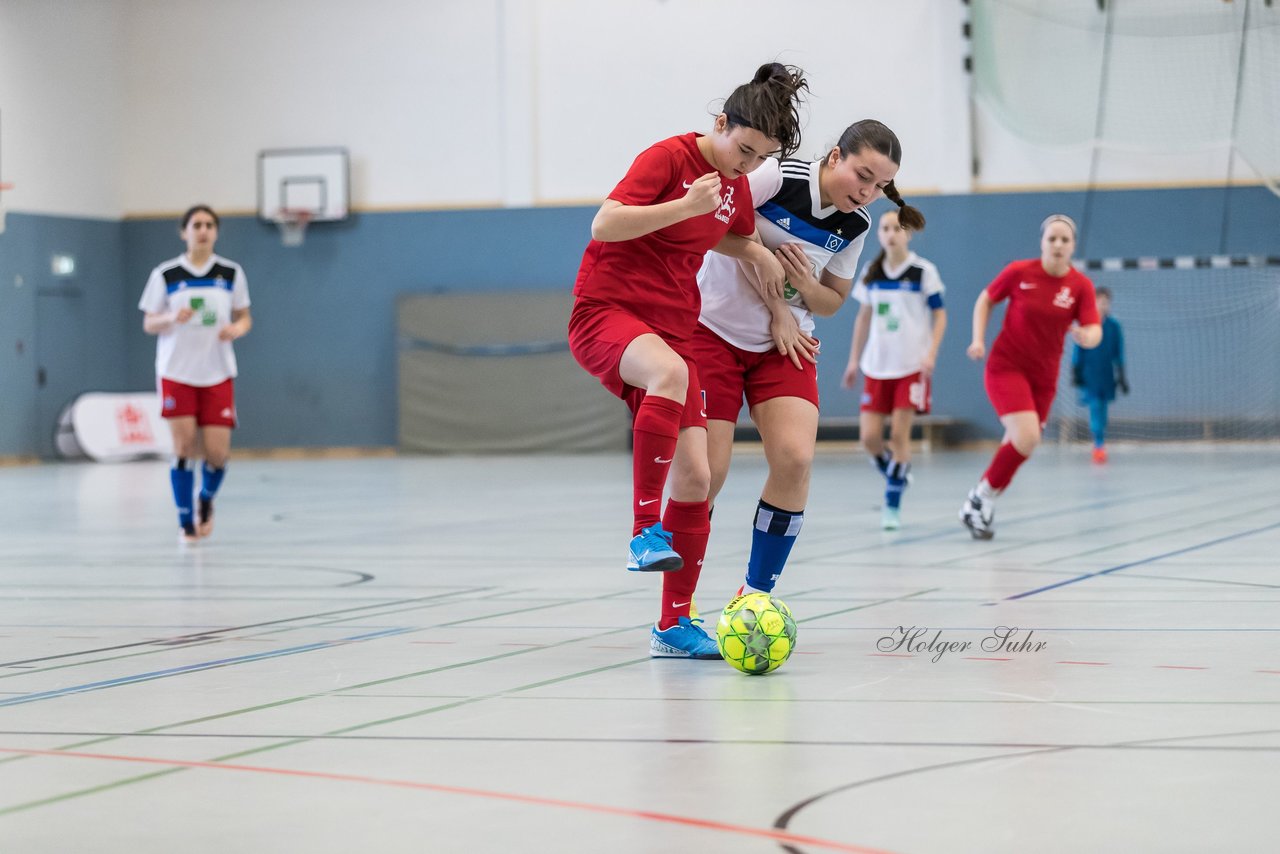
x,y
981,314
615,221
822,296
861,330
939,317
159,322
241,323
1122,382
762,269
1089,336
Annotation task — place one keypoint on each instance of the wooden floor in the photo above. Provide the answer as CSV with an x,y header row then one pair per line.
x,y
408,655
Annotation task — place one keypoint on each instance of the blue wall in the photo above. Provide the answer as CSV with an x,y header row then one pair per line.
x,y
319,368
72,327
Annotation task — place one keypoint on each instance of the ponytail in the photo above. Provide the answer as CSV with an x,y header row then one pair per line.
x,y
908,216
875,270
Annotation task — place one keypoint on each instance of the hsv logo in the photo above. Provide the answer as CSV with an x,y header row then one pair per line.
x,y
834,243
133,426
726,205
1064,299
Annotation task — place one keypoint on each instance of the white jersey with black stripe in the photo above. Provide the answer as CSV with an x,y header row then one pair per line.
x,y
788,210
191,352
902,302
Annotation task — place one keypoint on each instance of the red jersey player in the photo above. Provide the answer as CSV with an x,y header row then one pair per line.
x,y
636,308
1047,298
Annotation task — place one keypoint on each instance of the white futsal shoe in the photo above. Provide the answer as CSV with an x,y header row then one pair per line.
x,y
978,516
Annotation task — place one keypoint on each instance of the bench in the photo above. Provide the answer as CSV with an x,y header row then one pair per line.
x,y
927,428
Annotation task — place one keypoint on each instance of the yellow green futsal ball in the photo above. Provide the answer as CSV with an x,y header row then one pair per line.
x,y
756,633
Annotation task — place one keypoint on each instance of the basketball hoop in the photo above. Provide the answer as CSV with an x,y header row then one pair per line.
x,y
293,224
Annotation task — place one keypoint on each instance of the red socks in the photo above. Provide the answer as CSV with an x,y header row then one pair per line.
x,y
1003,465
690,522
656,427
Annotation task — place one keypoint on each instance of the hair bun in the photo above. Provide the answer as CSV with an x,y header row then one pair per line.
x,y
769,71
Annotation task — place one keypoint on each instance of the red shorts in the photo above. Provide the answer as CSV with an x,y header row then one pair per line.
x,y
598,335
1014,391
909,392
212,406
729,372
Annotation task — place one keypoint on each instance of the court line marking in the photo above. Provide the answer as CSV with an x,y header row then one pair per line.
x,y
489,794
204,632
162,645
1152,559
785,818
746,742
195,668
1159,534
1268,495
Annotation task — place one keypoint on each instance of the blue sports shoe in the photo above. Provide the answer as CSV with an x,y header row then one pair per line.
x,y
685,639
651,551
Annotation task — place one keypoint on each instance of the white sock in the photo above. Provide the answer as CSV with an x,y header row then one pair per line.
x,y
984,491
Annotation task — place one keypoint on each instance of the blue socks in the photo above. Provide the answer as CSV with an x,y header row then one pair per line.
x,y
895,475
210,480
183,480
772,537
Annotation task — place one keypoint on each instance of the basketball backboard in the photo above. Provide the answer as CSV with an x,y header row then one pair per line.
x,y
316,180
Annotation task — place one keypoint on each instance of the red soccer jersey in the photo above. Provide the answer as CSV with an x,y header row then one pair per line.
x,y
654,277
1041,309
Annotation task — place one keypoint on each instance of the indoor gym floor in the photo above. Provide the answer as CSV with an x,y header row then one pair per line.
x,y
446,654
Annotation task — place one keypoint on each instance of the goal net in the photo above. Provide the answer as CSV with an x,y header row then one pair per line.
x,y
1201,351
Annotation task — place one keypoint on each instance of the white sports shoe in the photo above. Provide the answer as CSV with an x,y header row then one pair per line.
x,y
978,516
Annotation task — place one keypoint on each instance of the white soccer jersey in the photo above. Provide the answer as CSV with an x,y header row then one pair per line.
x,y
191,352
902,303
788,210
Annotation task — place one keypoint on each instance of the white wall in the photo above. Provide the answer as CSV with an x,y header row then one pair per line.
x,y
410,87
447,102
115,107
61,101
603,95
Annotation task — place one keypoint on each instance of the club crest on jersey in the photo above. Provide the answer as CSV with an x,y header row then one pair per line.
x,y
726,205
1064,299
835,244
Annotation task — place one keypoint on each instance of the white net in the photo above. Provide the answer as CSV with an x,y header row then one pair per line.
x,y
1201,353
293,226
1148,77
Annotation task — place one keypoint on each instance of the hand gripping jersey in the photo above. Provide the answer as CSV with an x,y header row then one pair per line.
x,y
190,352
654,277
788,210
902,303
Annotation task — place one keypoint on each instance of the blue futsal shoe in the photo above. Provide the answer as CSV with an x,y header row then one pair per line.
x,y
651,551
685,639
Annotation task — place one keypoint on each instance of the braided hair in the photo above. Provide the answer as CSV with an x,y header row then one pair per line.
x,y
877,136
